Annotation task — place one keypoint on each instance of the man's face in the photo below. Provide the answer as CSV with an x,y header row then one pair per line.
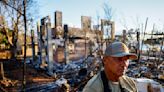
x,y
116,66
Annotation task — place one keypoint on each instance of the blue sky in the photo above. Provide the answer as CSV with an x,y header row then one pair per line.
x,y
127,13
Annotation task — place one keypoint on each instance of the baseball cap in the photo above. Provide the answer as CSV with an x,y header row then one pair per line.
x,y
119,49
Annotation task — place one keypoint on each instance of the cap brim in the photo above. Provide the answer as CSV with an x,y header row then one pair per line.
x,y
131,55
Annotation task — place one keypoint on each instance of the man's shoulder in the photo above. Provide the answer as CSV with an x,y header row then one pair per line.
x,y
126,78
96,80
95,83
128,83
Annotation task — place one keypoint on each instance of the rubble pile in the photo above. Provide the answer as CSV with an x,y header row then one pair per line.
x,y
152,69
77,73
70,77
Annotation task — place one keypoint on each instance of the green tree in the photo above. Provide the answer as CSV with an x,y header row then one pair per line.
x,y
13,11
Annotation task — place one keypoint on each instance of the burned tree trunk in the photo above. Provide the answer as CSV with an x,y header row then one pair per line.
x,y
2,76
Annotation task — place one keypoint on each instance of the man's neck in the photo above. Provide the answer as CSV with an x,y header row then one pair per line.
x,y
112,77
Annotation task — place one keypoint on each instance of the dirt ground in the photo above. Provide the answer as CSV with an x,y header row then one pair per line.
x,y
13,71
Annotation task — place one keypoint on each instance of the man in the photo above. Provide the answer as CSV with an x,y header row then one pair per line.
x,y
112,78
